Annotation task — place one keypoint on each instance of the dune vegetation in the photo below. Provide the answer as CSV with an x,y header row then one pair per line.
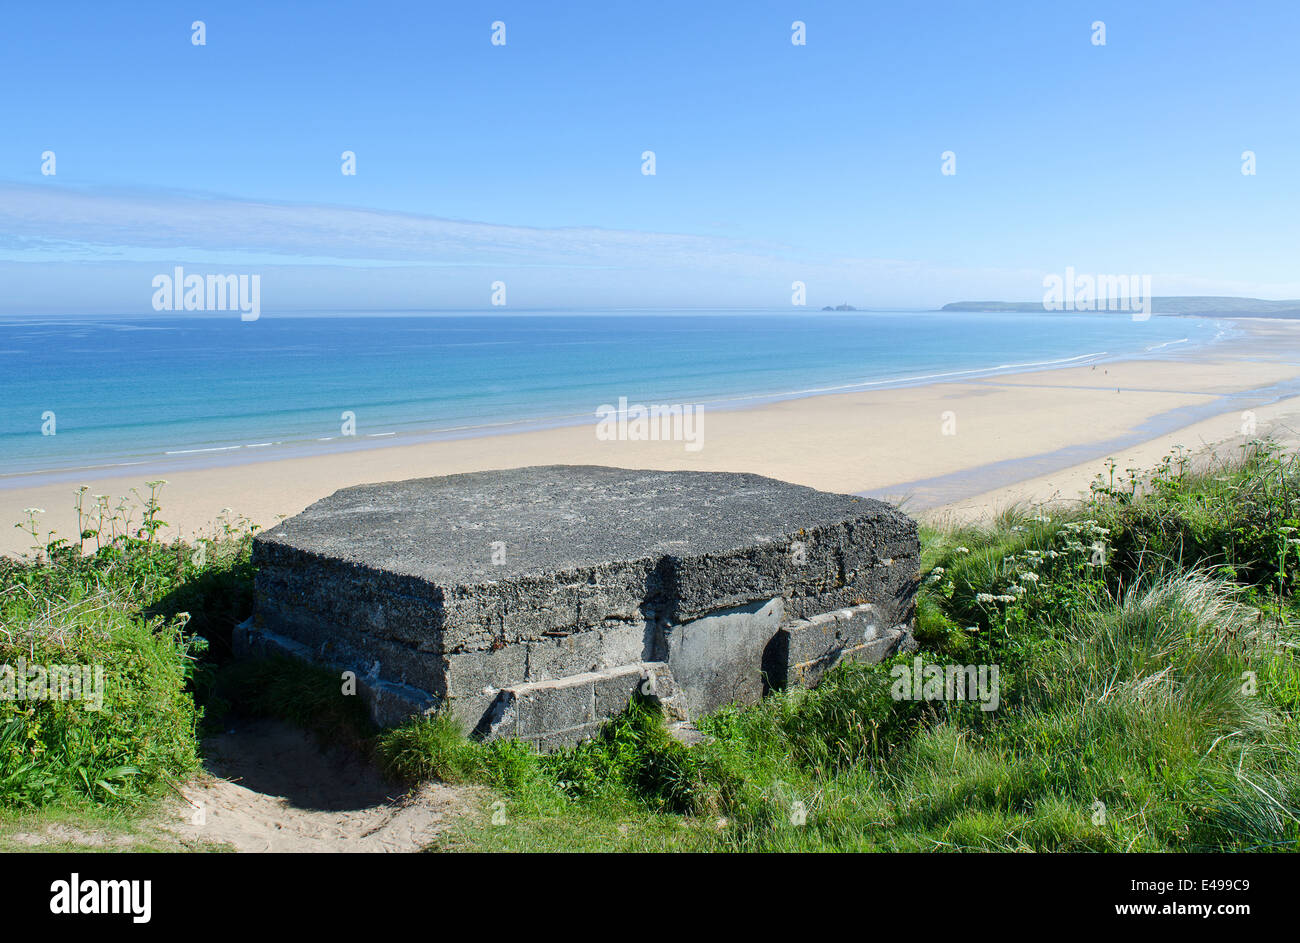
x,y
1148,676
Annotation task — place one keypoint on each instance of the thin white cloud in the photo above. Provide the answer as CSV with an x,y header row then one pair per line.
x,y
93,226
110,241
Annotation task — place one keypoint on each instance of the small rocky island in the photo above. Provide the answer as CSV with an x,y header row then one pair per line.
x,y
535,602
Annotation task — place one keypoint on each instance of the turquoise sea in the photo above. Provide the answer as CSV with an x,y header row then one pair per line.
x,y
182,391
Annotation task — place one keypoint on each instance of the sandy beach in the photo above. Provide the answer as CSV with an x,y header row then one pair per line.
x,y
964,448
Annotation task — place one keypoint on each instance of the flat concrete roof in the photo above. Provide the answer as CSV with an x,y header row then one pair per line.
x,y
556,518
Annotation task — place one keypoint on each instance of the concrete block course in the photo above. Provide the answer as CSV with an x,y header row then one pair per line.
x,y
549,587
806,649
568,710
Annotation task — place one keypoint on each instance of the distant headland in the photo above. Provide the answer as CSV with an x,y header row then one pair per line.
x,y
1185,305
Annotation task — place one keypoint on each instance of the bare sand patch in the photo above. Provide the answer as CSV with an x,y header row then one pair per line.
x,y
271,788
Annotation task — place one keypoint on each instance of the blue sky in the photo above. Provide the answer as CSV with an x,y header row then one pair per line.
x,y
775,162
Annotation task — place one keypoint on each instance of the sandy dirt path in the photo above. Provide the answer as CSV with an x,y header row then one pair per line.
x,y
271,788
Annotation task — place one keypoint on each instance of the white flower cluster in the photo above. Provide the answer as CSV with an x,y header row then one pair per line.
x,y
1076,532
1083,538
1085,529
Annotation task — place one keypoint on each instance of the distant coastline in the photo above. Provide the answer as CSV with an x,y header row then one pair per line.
x,y
1199,306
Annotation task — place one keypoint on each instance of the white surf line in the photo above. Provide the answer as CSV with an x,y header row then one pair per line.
x,y
220,448
556,418
743,397
1168,344
559,418
726,399
69,469
913,379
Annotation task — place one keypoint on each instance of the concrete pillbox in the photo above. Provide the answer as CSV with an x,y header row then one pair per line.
x,y
534,602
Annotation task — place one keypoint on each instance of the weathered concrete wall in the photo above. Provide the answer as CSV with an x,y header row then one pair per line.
x,y
717,658
805,649
551,714
476,590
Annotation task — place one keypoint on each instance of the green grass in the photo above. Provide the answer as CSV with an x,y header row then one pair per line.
x,y
90,827
127,607
1125,629
1146,642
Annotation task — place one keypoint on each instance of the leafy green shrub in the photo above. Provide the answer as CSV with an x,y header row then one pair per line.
x,y
139,740
129,606
1241,518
